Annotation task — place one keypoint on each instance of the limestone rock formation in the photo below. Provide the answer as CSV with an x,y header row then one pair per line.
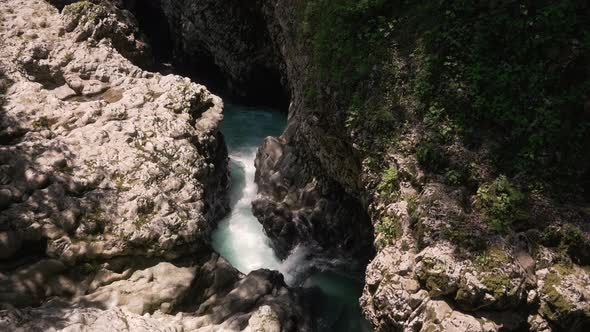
x,y
90,141
111,181
208,297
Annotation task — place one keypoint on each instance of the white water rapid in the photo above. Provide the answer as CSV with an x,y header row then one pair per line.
x,y
240,238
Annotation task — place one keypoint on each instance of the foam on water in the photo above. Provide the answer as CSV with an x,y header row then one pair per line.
x,y
240,238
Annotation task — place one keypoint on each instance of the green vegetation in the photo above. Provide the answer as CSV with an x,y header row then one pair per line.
x,y
430,157
348,39
84,11
41,123
556,306
533,94
389,229
453,177
141,220
491,258
389,185
516,72
120,182
497,282
465,236
502,203
434,277
570,241
498,285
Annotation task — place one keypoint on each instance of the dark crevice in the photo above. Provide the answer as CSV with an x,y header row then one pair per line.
x,y
259,86
30,252
153,23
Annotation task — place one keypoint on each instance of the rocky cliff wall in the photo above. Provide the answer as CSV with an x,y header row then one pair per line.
x,y
224,43
459,245
443,263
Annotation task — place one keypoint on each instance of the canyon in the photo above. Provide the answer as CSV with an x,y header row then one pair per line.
x,y
115,179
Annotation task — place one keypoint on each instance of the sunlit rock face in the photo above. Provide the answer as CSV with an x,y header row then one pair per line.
x,y
100,157
112,179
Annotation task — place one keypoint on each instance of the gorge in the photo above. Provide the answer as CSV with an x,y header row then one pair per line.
x,y
427,168
332,284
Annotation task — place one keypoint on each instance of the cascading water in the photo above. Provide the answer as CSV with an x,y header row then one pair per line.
x,y
240,238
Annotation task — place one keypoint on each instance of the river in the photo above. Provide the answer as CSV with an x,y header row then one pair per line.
x,y
240,238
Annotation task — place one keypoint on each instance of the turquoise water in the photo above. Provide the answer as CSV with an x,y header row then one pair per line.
x,y
240,238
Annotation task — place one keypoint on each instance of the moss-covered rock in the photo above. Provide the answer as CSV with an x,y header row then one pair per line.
x,y
565,297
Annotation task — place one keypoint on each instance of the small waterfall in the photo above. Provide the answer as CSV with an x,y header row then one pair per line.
x,y
240,238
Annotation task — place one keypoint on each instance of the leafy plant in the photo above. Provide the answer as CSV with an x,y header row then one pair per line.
x,y
430,156
388,230
389,185
453,177
451,61
502,203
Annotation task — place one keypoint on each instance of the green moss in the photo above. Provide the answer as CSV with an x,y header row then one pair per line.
x,y
556,306
413,210
120,183
41,123
453,177
502,203
436,283
142,219
434,278
491,258
465,236
498,284
84,11
68,57
570,241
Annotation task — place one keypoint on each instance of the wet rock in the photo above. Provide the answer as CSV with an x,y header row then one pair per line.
x,y
296,207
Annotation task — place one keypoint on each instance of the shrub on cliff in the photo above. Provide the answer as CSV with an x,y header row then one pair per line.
x,y
502,203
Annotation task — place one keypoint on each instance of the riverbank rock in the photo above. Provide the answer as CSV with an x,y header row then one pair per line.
x,y
99,158
297,208
111,181
207,295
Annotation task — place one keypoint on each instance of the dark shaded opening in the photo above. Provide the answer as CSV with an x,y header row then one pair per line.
x,y
154,25
262,86
29,253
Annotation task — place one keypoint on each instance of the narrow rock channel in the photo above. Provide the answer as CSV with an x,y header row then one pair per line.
x,y
332,294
